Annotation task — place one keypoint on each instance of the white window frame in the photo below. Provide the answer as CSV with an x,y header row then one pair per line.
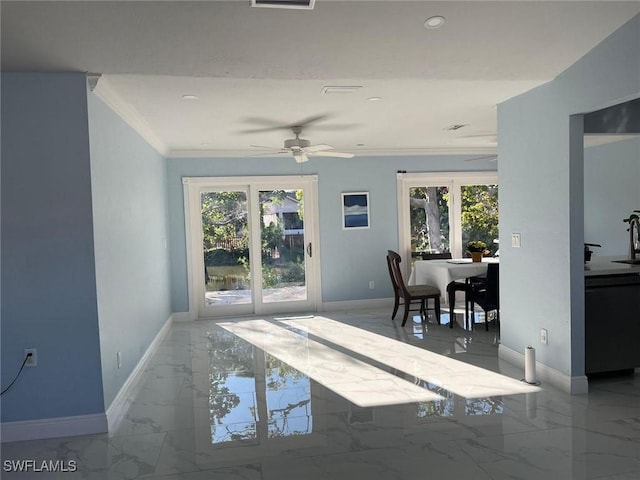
x,y
454,180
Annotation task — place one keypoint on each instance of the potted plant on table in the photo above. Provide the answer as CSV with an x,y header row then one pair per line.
x,y
477,249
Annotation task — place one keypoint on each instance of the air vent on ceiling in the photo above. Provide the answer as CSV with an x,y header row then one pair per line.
x,y
295,4
340,89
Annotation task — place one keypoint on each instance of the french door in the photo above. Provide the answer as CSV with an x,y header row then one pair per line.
x,y
253,245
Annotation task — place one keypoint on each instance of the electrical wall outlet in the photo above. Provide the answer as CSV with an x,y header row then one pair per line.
x,y
544,336
372,285
32,361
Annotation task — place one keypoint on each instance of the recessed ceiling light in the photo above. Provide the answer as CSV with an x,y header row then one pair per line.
x,y
190,97
374,99
434,22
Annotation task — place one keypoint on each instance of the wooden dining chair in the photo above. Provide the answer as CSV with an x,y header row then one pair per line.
x,y
485,292
464,286
410,294
452,288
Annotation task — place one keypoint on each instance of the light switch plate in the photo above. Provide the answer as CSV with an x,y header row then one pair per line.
x,y
516,240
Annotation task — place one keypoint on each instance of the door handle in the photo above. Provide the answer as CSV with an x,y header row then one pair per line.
x,y
309,250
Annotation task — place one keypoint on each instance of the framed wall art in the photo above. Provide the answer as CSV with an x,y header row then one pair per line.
x,y
355,210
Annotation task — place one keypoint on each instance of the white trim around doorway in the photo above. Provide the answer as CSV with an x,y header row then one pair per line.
x,y
191,189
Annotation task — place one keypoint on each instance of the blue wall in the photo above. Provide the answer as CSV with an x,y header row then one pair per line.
x,y
611,192
350,259
48,277
542,197
128,180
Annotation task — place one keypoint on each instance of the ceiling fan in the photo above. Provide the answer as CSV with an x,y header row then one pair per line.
x,y
301,149
315,122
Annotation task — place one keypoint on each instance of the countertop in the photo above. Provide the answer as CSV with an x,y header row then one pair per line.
x,y
606,266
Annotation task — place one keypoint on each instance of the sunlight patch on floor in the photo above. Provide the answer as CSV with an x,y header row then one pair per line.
x,y
458,377
358,382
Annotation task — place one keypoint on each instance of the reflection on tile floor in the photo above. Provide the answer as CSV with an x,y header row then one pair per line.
x,y
352,379
213,406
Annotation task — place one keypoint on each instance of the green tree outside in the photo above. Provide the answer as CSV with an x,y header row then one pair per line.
x,y
429,217
480,214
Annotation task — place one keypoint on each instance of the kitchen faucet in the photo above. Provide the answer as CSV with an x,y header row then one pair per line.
x,y
634,234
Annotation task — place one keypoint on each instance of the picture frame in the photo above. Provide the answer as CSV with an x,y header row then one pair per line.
x,y
355,211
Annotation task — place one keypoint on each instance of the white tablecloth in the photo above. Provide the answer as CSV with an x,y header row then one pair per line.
x,y
440,273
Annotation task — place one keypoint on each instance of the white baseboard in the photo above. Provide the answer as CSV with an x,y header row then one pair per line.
x,y
53,427
181,317
120,404
357,304
84,424
573,385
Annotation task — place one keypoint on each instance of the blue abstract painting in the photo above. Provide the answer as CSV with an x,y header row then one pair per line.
x,y
355,210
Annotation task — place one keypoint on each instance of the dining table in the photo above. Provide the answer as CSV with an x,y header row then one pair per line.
x,y
440,273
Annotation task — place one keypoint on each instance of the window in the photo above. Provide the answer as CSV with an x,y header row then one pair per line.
x,y
441,212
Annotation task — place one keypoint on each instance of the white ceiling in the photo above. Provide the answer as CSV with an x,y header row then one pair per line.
x,y
257,67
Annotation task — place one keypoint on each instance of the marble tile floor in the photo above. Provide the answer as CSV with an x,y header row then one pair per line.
x,y
212,405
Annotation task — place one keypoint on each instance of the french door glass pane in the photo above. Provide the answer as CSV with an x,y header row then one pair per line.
x,y
225,237
480,215
282,246
429,209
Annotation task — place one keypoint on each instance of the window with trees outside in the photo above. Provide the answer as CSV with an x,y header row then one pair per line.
x,y
442,212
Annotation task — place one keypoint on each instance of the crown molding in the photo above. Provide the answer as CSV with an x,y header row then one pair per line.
x,y
128,113
93,79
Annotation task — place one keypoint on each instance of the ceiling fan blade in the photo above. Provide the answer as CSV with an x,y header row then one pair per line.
x,y
270,154
267,148
491,158
324,153
305,122
266,122
334,127
317,148
263,129
300,157
267,125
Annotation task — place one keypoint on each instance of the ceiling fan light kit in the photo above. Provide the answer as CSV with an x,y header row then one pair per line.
x,y
300,148
296,143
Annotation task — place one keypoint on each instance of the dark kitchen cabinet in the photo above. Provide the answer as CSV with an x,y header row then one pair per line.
x,y
612,323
